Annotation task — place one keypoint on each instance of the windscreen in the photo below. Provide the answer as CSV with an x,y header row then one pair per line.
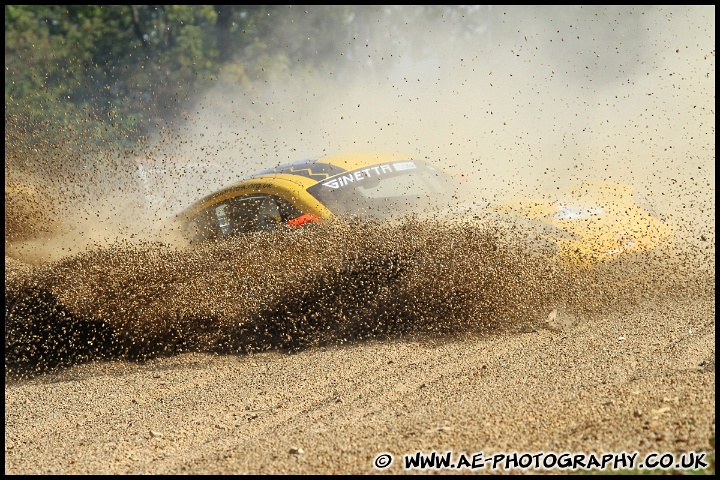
x,y
385,190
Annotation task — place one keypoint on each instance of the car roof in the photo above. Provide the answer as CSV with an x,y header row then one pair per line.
x,y
321,168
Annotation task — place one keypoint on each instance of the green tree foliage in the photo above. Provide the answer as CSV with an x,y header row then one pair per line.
x,y
87,67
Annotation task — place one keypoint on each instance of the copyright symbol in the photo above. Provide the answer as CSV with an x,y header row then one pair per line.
x,y
383,460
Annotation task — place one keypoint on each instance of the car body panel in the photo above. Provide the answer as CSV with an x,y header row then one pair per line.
x,y
598,219
292,188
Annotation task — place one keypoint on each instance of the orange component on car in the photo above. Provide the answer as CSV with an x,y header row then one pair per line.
x,y
303,220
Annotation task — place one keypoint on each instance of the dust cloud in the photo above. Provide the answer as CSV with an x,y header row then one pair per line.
x,y
542,95
326,285
532,98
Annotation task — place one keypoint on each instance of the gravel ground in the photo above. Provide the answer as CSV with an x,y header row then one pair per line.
x,y
637,380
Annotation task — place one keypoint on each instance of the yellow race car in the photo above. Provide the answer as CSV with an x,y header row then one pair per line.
x,y
373,185
589,222
584,223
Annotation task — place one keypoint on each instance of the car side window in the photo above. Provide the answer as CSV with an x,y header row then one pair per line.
x,y
243,214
